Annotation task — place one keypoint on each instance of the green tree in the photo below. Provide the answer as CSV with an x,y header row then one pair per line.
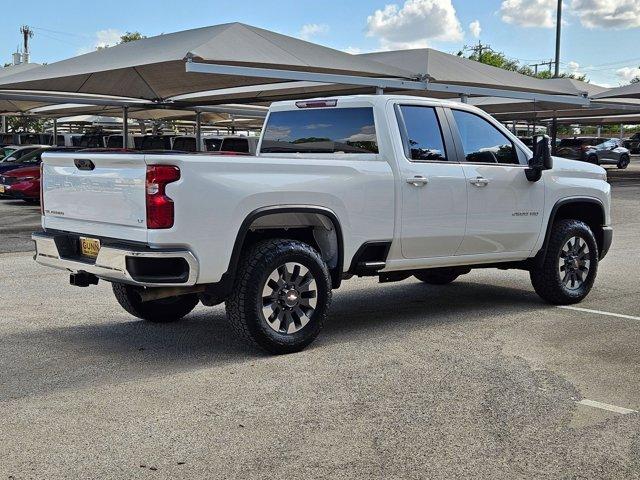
x,y
500,60
131,37
25,123
126,38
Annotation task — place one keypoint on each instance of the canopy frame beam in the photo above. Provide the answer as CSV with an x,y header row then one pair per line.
x,y
378,83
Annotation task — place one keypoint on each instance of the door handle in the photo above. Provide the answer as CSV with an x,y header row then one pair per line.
x,y
417,181
479,182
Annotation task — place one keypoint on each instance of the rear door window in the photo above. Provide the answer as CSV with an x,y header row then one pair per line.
x,y
423,136
321,130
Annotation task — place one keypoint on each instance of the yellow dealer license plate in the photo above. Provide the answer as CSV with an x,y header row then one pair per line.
x,y
89,247
1,188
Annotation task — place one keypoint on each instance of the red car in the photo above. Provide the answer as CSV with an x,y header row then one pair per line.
x,y
22,183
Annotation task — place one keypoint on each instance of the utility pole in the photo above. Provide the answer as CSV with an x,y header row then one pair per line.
x,y
554,123
27,34
478,49
540,64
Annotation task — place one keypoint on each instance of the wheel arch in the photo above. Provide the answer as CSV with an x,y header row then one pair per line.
x,y
587,209
244,234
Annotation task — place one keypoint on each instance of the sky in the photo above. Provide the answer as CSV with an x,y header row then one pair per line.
x,y
599,37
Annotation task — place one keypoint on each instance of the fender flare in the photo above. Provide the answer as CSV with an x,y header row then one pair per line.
x,y
560,203
336,273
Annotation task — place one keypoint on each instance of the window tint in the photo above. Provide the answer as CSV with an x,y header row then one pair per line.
x,y
212,144
424,136
482,142
321,130
240,145
185,144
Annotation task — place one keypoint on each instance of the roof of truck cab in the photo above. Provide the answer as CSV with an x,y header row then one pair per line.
x,y
373,100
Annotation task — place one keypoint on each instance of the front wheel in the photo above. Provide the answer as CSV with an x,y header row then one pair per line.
x,y
623,162
593,159
280,296
163,310
569,268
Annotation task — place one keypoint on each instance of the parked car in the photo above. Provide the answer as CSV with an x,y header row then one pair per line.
x,y
24,182
115,141
576,148
633,143
155,142
15,158
610,152
68,139
236,143
430,189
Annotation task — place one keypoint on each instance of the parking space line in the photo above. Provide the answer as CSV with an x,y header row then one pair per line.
x,y
606,406
599,312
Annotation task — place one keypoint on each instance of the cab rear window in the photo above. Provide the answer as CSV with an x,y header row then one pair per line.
x,y
321,130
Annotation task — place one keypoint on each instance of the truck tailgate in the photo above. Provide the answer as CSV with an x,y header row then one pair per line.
x,y
95,193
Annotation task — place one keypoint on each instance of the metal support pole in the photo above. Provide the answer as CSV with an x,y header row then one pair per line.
x,y
4,124
464,98
599,131
621,131
198,132
55,133
379,91
554,122
125,126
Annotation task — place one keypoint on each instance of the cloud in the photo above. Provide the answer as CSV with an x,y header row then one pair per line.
x,y
367,133
574,68
415,24
529,13
475,29
626,74
352,50
618,14
315,126
310,30
102,39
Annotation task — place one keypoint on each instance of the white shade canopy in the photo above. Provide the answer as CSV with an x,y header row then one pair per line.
x,y
154,68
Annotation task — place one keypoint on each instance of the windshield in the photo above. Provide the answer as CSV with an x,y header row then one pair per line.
x,y
32,157
6,151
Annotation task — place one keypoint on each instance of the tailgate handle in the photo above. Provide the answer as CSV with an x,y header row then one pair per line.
x,y
84,164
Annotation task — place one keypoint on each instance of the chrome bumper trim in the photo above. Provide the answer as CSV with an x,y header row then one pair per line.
x,y
110,263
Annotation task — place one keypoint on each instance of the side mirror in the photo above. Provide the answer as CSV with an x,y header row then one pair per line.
x,y
541,159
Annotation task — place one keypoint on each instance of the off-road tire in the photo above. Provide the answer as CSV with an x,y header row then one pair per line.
x,y
623,162
164,310
437,276
244,304
545,276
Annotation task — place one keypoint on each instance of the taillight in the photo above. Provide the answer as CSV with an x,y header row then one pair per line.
x,y
159,205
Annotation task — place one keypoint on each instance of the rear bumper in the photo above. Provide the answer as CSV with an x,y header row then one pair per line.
x,y
126,264
607,238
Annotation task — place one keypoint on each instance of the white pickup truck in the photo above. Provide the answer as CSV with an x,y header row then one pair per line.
x,y
388,186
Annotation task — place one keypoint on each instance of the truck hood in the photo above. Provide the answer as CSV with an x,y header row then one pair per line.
x,y
577,168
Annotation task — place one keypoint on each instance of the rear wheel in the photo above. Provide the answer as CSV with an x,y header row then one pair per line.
x,y
280,296
159,311
623,162
569,268
438,276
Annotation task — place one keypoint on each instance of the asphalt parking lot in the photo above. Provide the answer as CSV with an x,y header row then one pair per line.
x,y
478,379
